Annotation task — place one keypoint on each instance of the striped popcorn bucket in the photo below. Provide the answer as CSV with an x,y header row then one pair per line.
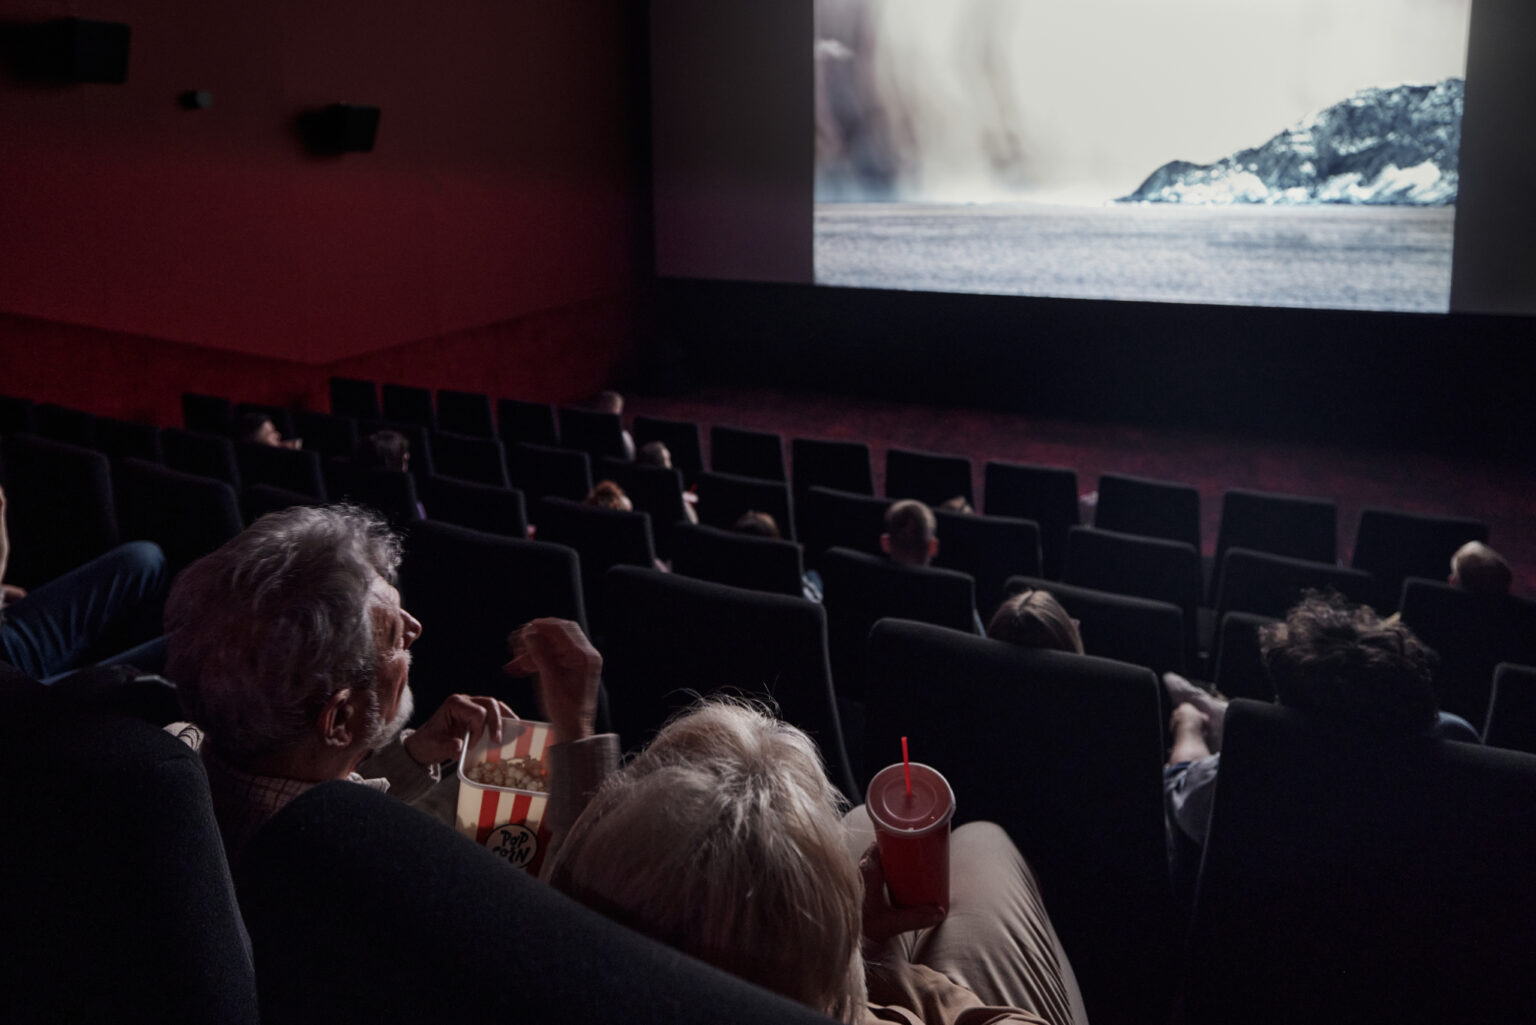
x,y
508,820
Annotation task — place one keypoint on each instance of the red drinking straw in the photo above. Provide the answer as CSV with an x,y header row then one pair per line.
x,y
906,765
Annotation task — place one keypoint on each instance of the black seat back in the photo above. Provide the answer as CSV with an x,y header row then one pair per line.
x,y
186,515
519,422
682,440
861,589
1142,567
1270,584
654,490
123,439
207,414
1150,508
1302,528
1045,494
334,881
115,875
1238,665
672,637
469,457
326,433
59,508
927,476
470,589
1511,719
391,492
1140,631
207,455
63,423
409,404
539,471
1393,545
465,412
839,465
1011,730
1471,634
292,470
596,434
603,538
723,497
466,503
842,519
740,560
990,548
745,453
1351,880
355,398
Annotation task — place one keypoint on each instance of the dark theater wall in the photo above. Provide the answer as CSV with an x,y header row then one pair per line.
x,y
496,237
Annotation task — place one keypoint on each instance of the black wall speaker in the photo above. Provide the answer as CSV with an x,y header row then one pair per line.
x,y
68,50
340,128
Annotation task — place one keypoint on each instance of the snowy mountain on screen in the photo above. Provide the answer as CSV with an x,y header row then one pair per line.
x,y
1394,146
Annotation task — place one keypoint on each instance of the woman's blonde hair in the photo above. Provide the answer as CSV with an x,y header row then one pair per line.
x,y
724,839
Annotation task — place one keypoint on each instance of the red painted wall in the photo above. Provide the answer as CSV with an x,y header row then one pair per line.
x,y
498,224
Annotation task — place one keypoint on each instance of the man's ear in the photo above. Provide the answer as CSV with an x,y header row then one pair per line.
x,y
885,543
933,547
339,720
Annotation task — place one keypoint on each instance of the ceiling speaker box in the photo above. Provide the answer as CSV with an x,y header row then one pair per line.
x,y
340,128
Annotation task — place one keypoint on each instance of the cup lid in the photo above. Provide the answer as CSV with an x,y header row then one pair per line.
x,y
931,802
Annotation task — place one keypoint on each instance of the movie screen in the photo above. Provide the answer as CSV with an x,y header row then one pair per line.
x,y
1253,152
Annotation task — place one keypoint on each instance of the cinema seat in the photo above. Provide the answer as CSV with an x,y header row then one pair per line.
x,y
927,476
745,453
1045,494
681,438
1349,880
335,881
1149,508
1065,752
673,637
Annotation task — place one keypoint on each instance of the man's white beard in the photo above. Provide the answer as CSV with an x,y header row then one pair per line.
x,y
387,731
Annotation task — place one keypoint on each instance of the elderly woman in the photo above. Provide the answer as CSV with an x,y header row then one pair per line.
x,y
723,839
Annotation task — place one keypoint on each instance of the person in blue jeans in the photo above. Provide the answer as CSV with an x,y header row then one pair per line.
x,y
66,623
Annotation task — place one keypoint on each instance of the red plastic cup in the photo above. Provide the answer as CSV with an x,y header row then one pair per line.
x,y
913,833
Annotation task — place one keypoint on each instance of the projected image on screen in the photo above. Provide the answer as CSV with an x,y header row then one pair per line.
x,y
1254,152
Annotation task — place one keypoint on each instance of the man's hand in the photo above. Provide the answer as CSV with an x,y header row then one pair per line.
x,y
441,738
567,671
883,922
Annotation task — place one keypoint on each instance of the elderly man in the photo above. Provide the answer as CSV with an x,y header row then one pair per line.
x,y
290,651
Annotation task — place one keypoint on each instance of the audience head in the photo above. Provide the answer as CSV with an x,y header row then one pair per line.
x,y
1035,619
909,533
608,495
1479,569
654,453
758,524
384,450
1341,664
723,839
258,428
291,635
609,402
959,504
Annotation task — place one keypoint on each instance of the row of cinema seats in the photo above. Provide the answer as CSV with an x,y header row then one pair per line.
x,y
465,572
1341,881
1147,580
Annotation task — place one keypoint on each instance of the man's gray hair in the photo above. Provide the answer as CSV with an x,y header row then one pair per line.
x,y
723,839
263,631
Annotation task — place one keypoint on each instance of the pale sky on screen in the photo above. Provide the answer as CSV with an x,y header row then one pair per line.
x,y
1099,93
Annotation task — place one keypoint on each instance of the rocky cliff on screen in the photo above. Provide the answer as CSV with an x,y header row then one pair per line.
x,y
1393,146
